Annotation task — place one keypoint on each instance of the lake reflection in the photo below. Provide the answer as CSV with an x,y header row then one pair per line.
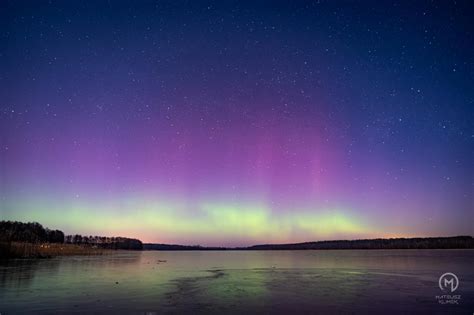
x,y
391,281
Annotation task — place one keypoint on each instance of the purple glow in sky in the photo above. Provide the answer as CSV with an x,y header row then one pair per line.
x,y
237,123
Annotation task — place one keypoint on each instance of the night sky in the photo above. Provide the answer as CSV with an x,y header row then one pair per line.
x,y
234,123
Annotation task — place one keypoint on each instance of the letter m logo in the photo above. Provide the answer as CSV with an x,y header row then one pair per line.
x,y
449,282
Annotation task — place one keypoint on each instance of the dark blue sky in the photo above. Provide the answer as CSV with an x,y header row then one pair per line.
x,y
359,113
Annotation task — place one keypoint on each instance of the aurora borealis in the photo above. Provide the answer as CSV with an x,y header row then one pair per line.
x,y
236,123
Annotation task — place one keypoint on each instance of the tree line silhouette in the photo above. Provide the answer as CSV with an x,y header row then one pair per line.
x,y
12,231
33,232
104,241
381,243
459,242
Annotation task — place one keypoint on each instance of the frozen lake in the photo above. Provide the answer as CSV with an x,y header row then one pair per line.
x,y
388,281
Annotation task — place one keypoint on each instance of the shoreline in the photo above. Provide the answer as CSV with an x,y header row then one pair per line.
x,y
47,250
309,249
453,242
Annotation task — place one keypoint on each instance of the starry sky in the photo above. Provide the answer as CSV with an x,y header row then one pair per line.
x,y
238,122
